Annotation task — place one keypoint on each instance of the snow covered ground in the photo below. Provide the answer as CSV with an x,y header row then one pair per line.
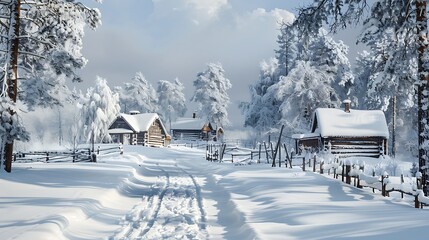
x,y
174,193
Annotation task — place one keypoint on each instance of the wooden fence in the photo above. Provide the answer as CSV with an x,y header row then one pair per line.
x,y
83,154
234,154
353,174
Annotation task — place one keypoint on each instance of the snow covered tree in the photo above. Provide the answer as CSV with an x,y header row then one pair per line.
x,y
139,95
390,71
274,99
408,21
262,112
211,94
172,101
331,58
288,48
40,40
301,92
99,108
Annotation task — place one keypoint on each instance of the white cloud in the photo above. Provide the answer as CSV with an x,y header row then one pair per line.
x,y
210,8
279,15
283,15
196,10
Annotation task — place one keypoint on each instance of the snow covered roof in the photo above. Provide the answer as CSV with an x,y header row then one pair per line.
x,y
141,122
305,135
332,122
119,130
188,124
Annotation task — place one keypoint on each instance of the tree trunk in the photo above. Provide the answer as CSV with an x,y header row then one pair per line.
x,y
421,22
12,81
394,127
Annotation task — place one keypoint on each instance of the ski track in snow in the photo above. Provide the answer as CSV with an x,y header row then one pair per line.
x,y
173,208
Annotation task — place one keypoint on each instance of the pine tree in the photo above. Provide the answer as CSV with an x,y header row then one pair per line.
x,y
211,88
139,95
262,112
287,49
43,39
172,101
301,92
331,58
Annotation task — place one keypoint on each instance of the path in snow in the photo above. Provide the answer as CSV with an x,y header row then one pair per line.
x,y
175,206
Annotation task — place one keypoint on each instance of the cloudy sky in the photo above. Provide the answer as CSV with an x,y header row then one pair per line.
x,y
165,39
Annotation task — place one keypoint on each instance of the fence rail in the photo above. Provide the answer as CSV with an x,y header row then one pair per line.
x,y
82,154
353,174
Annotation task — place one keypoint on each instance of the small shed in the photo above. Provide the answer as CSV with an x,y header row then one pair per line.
x,y
192,129
346,132
137,128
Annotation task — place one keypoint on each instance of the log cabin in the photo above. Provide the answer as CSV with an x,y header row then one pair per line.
x,y
192,129
137,128
346,133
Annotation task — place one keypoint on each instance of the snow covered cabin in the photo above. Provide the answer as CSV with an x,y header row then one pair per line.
x,y
347,132
192,129
137,128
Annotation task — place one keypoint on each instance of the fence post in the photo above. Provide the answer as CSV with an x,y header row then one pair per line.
x,y
47,156
286,154
342,172
383,184
272,155
321,166
303,164
98,150
402,182
354,179
358,182
416,201
348,178
266,152
314,163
